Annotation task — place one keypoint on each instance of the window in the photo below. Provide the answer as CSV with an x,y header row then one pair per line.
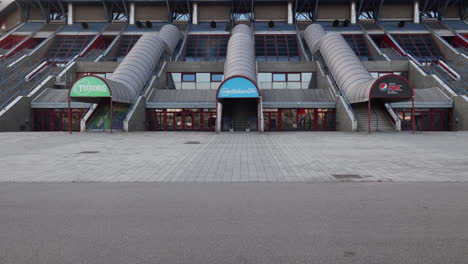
x,y
206,48
294,77
216,77
286,77
279,77
421,46
358,43
380,74
99,74
277,48
189,77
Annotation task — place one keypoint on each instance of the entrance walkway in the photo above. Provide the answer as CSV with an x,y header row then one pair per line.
x,y
233,157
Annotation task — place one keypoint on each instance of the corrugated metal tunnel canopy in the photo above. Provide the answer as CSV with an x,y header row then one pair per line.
x,y
349,73
133,72
240,58
130,77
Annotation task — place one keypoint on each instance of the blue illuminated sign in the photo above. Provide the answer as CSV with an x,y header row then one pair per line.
x,y
238,87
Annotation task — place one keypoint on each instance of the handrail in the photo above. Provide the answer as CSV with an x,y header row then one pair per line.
x,y
19,53
31,36
147,85
20,72
371,41
396,119
299,37
80,54
377,118
7,97
11,31
182,44
117,38
335,85
46,40
431,70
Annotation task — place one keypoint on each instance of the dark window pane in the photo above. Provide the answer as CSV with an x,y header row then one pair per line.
x,y
216,77
188,77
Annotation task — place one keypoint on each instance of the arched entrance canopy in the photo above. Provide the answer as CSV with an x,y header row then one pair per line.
x,y
89,88
391,86
238,87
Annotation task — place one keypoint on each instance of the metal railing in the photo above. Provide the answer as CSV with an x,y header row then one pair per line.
x,y
319,57
437,70
18,70
23,87
148,84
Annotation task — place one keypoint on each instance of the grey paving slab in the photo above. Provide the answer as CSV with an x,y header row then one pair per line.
x,y
232,157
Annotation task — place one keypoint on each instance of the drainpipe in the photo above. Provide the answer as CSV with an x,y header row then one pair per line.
x,y
195,14
132,13
70,14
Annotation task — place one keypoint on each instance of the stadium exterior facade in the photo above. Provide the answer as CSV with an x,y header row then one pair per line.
x,y
240,65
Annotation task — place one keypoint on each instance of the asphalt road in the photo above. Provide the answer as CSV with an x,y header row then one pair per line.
x,y
234,223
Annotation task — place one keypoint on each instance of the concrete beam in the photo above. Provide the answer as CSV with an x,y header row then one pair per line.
x,y
195,13
353,12
132,14
70,14
416,12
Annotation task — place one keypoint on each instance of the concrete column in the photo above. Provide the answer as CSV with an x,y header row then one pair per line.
x,y
70,14
132,14
260,115
290,12
219,112
353,12
195,14
416,12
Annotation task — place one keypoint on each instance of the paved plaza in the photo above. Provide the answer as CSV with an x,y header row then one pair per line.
x,y
233,157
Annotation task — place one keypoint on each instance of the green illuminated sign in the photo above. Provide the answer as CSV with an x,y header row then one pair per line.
x,y
90,86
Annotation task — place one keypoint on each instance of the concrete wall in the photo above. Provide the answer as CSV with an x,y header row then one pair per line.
x,y
330,12
153,13
207,13
287,66
70,75
420,80
373,49
115,46
17,116
344,122
271,12
10,20
446,49
83,13
137,118
208,66
40,52
460,103
460,112
35,14
453,12
388,66
322,81
397,12
100,66
268,66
